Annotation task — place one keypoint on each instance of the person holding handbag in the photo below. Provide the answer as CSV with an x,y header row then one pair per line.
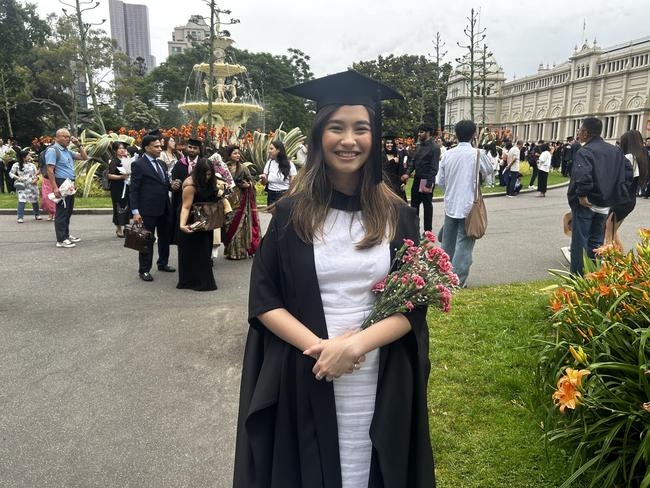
x,y
278,172
457,176
119,188
25,176
195,239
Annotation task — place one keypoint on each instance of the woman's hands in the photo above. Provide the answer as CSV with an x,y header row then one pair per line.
x,y
336,357
186,228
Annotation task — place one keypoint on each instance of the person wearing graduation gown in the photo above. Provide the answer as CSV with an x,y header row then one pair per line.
x,y
322,404
393,167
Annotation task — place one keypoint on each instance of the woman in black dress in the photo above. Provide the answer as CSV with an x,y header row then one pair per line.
x,y
119,188
323,404
393,167
195,246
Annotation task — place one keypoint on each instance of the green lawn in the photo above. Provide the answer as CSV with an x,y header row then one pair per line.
x,y
10,201
484,431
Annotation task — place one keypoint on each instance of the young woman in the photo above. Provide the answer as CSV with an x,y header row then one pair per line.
x,y
195,247
169,154
324,405
242,226
119,187
491,150
632,147
543,167
25,177
393,168
278,172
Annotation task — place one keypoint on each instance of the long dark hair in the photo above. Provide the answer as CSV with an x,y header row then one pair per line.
x,y
393,151
632,143
21,158
282,159
199,174
313,192
491,148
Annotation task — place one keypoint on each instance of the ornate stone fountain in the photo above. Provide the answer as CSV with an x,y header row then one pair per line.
x,y
229,109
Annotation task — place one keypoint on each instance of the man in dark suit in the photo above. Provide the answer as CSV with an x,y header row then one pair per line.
x,y
149,198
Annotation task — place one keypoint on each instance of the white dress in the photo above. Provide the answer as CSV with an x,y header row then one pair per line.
x,y
345,277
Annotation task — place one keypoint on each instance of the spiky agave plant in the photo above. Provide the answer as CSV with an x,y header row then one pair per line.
x,y
97,147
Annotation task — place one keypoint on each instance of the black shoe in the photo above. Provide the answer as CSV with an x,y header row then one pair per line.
x,y
146,277
166,269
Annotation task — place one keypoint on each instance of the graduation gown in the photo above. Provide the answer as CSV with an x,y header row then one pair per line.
x,y
287,430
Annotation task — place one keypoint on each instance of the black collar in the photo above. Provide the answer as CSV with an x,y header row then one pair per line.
x,y
341,201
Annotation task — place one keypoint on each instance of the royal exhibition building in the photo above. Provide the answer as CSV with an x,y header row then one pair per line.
x,y
612,84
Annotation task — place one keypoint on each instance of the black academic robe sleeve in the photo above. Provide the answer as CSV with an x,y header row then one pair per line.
x,y
286,431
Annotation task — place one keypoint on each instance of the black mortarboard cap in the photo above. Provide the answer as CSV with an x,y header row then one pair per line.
x,y
194,142
350,88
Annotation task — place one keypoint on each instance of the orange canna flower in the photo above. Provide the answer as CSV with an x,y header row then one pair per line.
x,y
604,290
556,306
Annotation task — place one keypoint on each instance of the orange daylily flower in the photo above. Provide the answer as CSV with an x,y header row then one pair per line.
x,y
567,395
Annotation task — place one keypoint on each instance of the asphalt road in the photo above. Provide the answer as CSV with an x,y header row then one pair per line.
x,y
107,381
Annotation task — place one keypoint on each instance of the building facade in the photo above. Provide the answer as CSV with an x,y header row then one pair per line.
x,y
612,84
196,30
130,28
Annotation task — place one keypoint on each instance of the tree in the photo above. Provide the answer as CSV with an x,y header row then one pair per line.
x,y
21,29
413,77
138,115
467,67
486,63
441,77
88,68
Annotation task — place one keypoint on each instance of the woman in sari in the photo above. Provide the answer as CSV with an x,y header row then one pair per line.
x,y
242,230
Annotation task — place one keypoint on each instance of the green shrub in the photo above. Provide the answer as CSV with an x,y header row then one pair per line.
x,y
596,368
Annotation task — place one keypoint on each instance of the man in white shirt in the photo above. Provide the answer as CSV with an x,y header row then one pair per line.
x,y
513,167
457,175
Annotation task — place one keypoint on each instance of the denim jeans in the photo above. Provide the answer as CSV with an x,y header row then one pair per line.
x,y
458,246
587,233
21,209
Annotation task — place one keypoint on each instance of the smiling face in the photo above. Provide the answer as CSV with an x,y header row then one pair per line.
x,y
122,152
347,140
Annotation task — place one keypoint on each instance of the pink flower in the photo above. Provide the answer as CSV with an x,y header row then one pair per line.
x,y
409,305
419,282
453,279
408,242
444,265
405,278
394,278
379,287
430,236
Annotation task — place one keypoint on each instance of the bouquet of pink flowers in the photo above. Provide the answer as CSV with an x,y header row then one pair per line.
x,y
423,277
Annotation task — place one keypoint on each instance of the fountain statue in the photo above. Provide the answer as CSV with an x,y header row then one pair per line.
x,y
228,109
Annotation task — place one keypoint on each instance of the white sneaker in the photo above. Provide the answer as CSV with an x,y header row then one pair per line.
x,y
19,221
38,217
66,243
72,238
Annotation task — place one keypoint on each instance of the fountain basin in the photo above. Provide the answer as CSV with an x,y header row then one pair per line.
x,y
228,114
221,70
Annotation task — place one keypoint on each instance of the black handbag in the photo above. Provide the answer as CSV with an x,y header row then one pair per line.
x,y
123,215
138,238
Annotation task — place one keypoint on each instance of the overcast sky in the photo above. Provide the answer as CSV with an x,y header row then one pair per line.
x,y
336,33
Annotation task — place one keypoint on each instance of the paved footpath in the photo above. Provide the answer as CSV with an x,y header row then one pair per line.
x,y
107,381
